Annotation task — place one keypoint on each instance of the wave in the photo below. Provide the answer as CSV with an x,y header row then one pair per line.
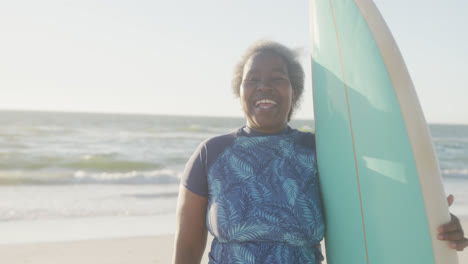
x,y
20,177
165,176
108,162
46,177
97,162
455,173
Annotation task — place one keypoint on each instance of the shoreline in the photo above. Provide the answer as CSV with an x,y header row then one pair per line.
x,y
156,249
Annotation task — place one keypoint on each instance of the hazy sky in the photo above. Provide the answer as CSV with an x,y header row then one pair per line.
x,y
176,57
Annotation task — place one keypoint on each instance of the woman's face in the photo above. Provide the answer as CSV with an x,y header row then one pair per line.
x,y
266,94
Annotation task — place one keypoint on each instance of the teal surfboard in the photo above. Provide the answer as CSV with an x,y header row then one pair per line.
x,y
380,181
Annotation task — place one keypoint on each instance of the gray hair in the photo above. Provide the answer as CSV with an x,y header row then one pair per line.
x,y
290,57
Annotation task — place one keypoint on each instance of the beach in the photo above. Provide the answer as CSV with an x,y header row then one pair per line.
x,y
142,250
102,188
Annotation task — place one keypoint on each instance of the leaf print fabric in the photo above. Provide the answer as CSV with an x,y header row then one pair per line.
x,y
263,201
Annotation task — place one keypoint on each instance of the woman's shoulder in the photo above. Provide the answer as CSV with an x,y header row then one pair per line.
x,y
221,140
212,147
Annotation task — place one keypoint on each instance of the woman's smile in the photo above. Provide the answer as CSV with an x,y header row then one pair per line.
x,y
265,104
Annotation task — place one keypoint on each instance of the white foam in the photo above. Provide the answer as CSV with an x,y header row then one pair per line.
x,y
132,177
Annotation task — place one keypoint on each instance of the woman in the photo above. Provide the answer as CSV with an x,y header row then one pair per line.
x,y
256,189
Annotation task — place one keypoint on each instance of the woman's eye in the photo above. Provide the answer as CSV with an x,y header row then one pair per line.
x,y
278,80
252,81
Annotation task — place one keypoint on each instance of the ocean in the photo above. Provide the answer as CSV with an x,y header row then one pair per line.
x,y
73,176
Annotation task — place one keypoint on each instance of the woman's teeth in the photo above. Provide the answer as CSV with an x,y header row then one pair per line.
x,y
265,103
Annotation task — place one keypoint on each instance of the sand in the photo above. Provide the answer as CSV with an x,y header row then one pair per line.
x,y
141,250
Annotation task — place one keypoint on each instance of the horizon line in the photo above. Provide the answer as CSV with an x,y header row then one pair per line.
x,y
165,114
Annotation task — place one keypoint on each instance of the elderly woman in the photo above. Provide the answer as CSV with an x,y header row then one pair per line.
x,y
256,189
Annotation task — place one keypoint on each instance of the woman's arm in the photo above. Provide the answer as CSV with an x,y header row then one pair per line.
x,y
190,238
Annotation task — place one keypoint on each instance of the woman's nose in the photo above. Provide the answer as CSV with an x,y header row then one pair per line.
x,y
264,85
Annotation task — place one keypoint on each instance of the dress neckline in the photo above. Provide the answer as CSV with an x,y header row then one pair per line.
x,y
247,131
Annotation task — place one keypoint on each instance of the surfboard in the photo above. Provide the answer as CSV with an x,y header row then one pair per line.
x,y
379,176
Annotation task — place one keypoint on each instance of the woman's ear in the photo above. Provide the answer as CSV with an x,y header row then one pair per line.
x,y
293,97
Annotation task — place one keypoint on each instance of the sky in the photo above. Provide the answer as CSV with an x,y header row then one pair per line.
x,y
176,57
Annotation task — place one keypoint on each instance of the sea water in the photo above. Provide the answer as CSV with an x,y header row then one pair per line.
x,y
73,176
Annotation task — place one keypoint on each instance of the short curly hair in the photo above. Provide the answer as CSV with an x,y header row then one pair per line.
x,y
290,57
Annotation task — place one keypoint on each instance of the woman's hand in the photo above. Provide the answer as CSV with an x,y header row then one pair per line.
x,y
453,231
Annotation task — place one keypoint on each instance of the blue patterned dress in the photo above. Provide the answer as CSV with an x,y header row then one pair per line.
x,y
263,198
